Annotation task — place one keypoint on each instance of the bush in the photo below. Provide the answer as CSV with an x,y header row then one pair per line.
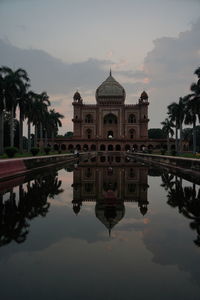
x,y
11,151
35,151
173,152
47,150
163,151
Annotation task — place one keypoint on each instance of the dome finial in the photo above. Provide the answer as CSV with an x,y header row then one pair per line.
x,y
110,72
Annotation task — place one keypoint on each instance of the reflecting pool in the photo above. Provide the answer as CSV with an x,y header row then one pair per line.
x,y
103,228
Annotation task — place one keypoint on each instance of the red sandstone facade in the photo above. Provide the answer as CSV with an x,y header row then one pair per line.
x,y
110,124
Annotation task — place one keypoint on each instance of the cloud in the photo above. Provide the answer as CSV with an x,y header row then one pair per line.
x,y
166,73
58,78
52,74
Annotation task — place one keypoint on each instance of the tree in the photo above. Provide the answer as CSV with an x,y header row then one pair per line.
x,y
6,133
68,134
28,114
37,113
14,87
54,122
2,107
193,107
156,133
44,98
22,103
167,130
176,113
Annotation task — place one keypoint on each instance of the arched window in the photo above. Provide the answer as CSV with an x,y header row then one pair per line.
x,y
102,159
56,147
89,119
63,147
70,147
89,133
118,148
135,147
102,148
93,147
132,134
78,147
88,172
110,119
132,173
127,147
110,147
118,159
131,118
85,147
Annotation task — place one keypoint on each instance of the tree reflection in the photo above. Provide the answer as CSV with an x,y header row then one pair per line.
x,y
32,202
186,199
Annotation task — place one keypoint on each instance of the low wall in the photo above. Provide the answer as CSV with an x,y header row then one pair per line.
x,y
186,165
19,166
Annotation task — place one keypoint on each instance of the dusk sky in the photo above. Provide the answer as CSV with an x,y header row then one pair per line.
x,y
65,45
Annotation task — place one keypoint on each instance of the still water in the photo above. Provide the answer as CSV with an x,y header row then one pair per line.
x,y
105,228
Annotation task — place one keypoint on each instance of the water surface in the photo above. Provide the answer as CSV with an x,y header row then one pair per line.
x,y
100,229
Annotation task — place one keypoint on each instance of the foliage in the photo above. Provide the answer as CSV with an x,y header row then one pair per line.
x,y
187,110
167,127
47,150
162,151
35,151
7,131
15,93
173,152
69,134
11,151
188,136
156,133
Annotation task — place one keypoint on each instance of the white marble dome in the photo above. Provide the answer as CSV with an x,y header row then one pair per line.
x,y
110,88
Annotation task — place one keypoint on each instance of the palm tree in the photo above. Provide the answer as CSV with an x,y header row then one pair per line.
x,y
39,108
193,107
22,103
44,98
167,129
30,97
54,122
14,87
177,114
2,106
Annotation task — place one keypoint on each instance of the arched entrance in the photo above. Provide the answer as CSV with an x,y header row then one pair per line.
x,y
118,148
93,147
63,147
70,147
127,147
85,147
102,148
110,147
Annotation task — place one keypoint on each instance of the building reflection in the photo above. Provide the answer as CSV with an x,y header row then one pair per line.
x,y
110,183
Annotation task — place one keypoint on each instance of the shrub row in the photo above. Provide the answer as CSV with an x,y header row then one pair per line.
x,y
11,151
